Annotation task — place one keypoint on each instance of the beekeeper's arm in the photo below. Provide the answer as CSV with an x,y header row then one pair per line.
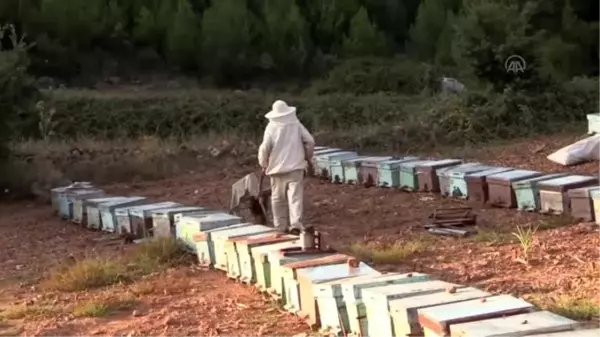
x,y
309,143
265,148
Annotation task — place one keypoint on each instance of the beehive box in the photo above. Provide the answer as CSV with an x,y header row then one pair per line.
x,y
279,259
289,273
527,191
319,152
574,333
248,265
239,259
596,203
55,193
198,214
336,167
309,278
92,209
107,212
352,290
404,311
163,220
377,301
437,321
204,248
351,168
79,214
516,325
262,265
220,238
323,160
500,190
554,198
477,187
593,123
458,188
191,224
389,171
369,170
141,218
318,148
332,308
428,180
123,215
65,200
582,206
409,179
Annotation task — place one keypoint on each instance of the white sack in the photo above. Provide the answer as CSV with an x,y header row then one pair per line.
x,y
587,149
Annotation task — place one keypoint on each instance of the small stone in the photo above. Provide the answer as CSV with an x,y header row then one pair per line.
x,y
135,313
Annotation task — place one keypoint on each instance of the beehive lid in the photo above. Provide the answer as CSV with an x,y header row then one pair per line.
x,y
263,251
78,192
404,290
413,164
374,161
461,168
317,148
330,155
529,323
173,210
98,201
326,150
233,232
201,213
87,193
324,274
514,175
75,185
438,298
337,160
440,317
393,163
353,288
526,183
218,217
321,261
144,210
334,287
593,116
574,333
355,161
487,173
567,180
205,234
441,162
117,203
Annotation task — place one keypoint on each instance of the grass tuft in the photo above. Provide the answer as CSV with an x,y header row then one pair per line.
x,y
99,308
581,309
387,253
27,311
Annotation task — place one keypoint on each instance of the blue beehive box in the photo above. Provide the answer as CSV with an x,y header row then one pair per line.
x,y
389,171
336,168
527,191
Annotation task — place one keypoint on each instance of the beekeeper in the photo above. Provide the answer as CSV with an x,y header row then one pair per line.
x,y
284,155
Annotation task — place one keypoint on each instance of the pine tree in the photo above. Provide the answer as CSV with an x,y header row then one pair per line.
x,y
364,39
429,25
183,37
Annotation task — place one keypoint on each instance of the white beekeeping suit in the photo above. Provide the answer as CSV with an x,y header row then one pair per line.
x,y
283,155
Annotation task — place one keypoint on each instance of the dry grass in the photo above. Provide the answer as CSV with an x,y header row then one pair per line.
x,y
556,221
23,311
103,307
581,309
492,236
92,273
387,253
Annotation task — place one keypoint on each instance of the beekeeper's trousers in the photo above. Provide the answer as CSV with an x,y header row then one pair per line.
x,y
287,199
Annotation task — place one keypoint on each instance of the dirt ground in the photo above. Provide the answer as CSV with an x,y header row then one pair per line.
x,y
563,265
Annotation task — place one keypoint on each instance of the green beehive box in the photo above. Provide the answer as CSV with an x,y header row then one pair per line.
x,y
205,250
262,265
527,191
352,291
351,169
404,311
221,241
389,171
409,178
196,223
377,301
336,168
239,257
277,259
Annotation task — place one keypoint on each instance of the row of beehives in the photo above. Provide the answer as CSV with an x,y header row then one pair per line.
x,y
527,190
329,290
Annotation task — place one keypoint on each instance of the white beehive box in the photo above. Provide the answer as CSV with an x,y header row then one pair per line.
x,y
404,311
516,325
437,321
377,300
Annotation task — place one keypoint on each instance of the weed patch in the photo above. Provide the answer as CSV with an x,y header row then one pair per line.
x,y
27,311
526,236
387,253
574,308
99,308
556,221
486,235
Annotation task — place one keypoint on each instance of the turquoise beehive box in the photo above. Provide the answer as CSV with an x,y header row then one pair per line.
x,y
107,212
163,220
190,225
262,265
389,171
321,159
220,238
532,323
409,178
309,279
351,169
445,179
336,167
319,152
377,301
324,161
239,260
404,311
527,191
456,177
352,291
438,321
205,249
